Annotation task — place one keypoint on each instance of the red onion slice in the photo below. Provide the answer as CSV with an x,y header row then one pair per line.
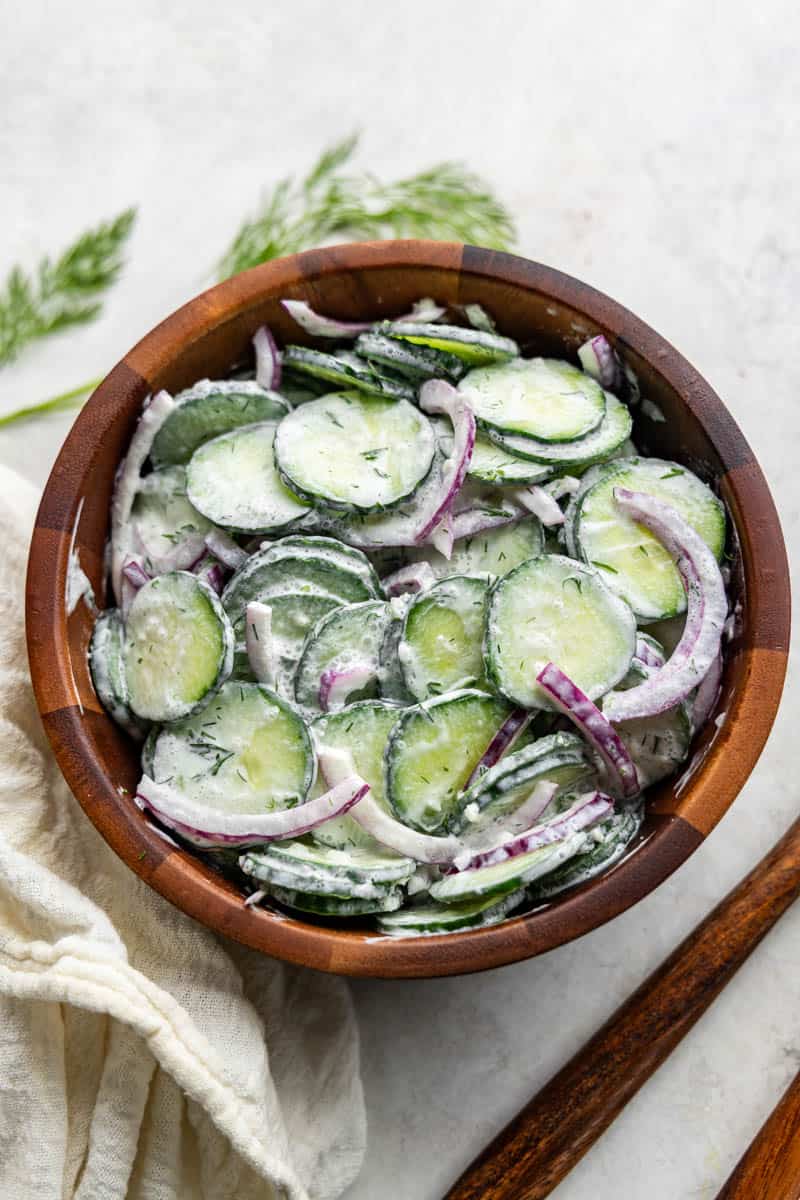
x,y
336,685
501,743
258,640
541,504
330,327
416,577
473,521
223,547
135,573
706,695
442,537
593,724
599,360
268,358
192,820
706,611
647,654
439,397
212,573
585,812
127,481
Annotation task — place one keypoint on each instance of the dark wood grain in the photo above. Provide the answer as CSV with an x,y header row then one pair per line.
x,y
547,311
770,1167
556,1128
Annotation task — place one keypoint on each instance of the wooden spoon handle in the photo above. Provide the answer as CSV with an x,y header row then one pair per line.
x,y
770,1167
556,1128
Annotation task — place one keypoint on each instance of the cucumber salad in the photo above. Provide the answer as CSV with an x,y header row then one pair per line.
x,y
404,623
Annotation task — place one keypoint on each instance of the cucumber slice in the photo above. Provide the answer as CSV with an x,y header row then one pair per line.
x,y
391,681
283,568
293,615
561,758
210,408
416,363
232,480
606,845
347,558
347,637
346,371
246,752
658,745
507,876
108,672
441,646
178,647
323,870
476,347
336,906
540,398
603,442
433,749
363,730
495,464
495,552
354,452
631,559
553,609
450,918
169,528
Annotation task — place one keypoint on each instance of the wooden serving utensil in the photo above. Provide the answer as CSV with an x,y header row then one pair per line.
x,y
555,1129
770,1168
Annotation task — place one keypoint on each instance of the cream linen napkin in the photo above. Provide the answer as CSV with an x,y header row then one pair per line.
x,y
140,1056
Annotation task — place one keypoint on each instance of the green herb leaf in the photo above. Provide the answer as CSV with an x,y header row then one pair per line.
x,y
333,201
64,292
605,566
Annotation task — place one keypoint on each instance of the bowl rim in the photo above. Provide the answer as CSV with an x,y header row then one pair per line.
x,y
710,783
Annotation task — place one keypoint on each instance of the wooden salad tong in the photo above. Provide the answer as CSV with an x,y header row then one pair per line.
x,y
534,1152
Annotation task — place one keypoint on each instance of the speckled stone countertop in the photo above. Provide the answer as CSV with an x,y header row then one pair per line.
x,y
651,150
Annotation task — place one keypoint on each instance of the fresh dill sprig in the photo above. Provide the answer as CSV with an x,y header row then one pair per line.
x,y
335,202
63,292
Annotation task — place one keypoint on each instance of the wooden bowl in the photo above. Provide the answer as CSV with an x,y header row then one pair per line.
x,y
548,313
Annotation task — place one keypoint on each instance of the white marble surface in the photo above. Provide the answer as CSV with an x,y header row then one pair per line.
x,y
650,149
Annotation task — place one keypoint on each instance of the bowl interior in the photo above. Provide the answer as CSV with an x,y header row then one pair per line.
x,y
548,313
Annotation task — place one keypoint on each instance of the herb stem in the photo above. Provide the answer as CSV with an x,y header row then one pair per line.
x,y
54,404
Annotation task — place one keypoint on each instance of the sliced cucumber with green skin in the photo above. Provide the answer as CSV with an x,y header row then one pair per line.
x,y
441,646
603,442
391,682
450,918
280,569
540,398
335,906
345,371
507,876
476,347
108,672
416,363
489,554
354,452
348,558
633,562
169,528
553,609
491,463
433,749
178,647
347,637
559,758
246,752
606,845
658,745
293,615
232,480
361,729
208,409
323,870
